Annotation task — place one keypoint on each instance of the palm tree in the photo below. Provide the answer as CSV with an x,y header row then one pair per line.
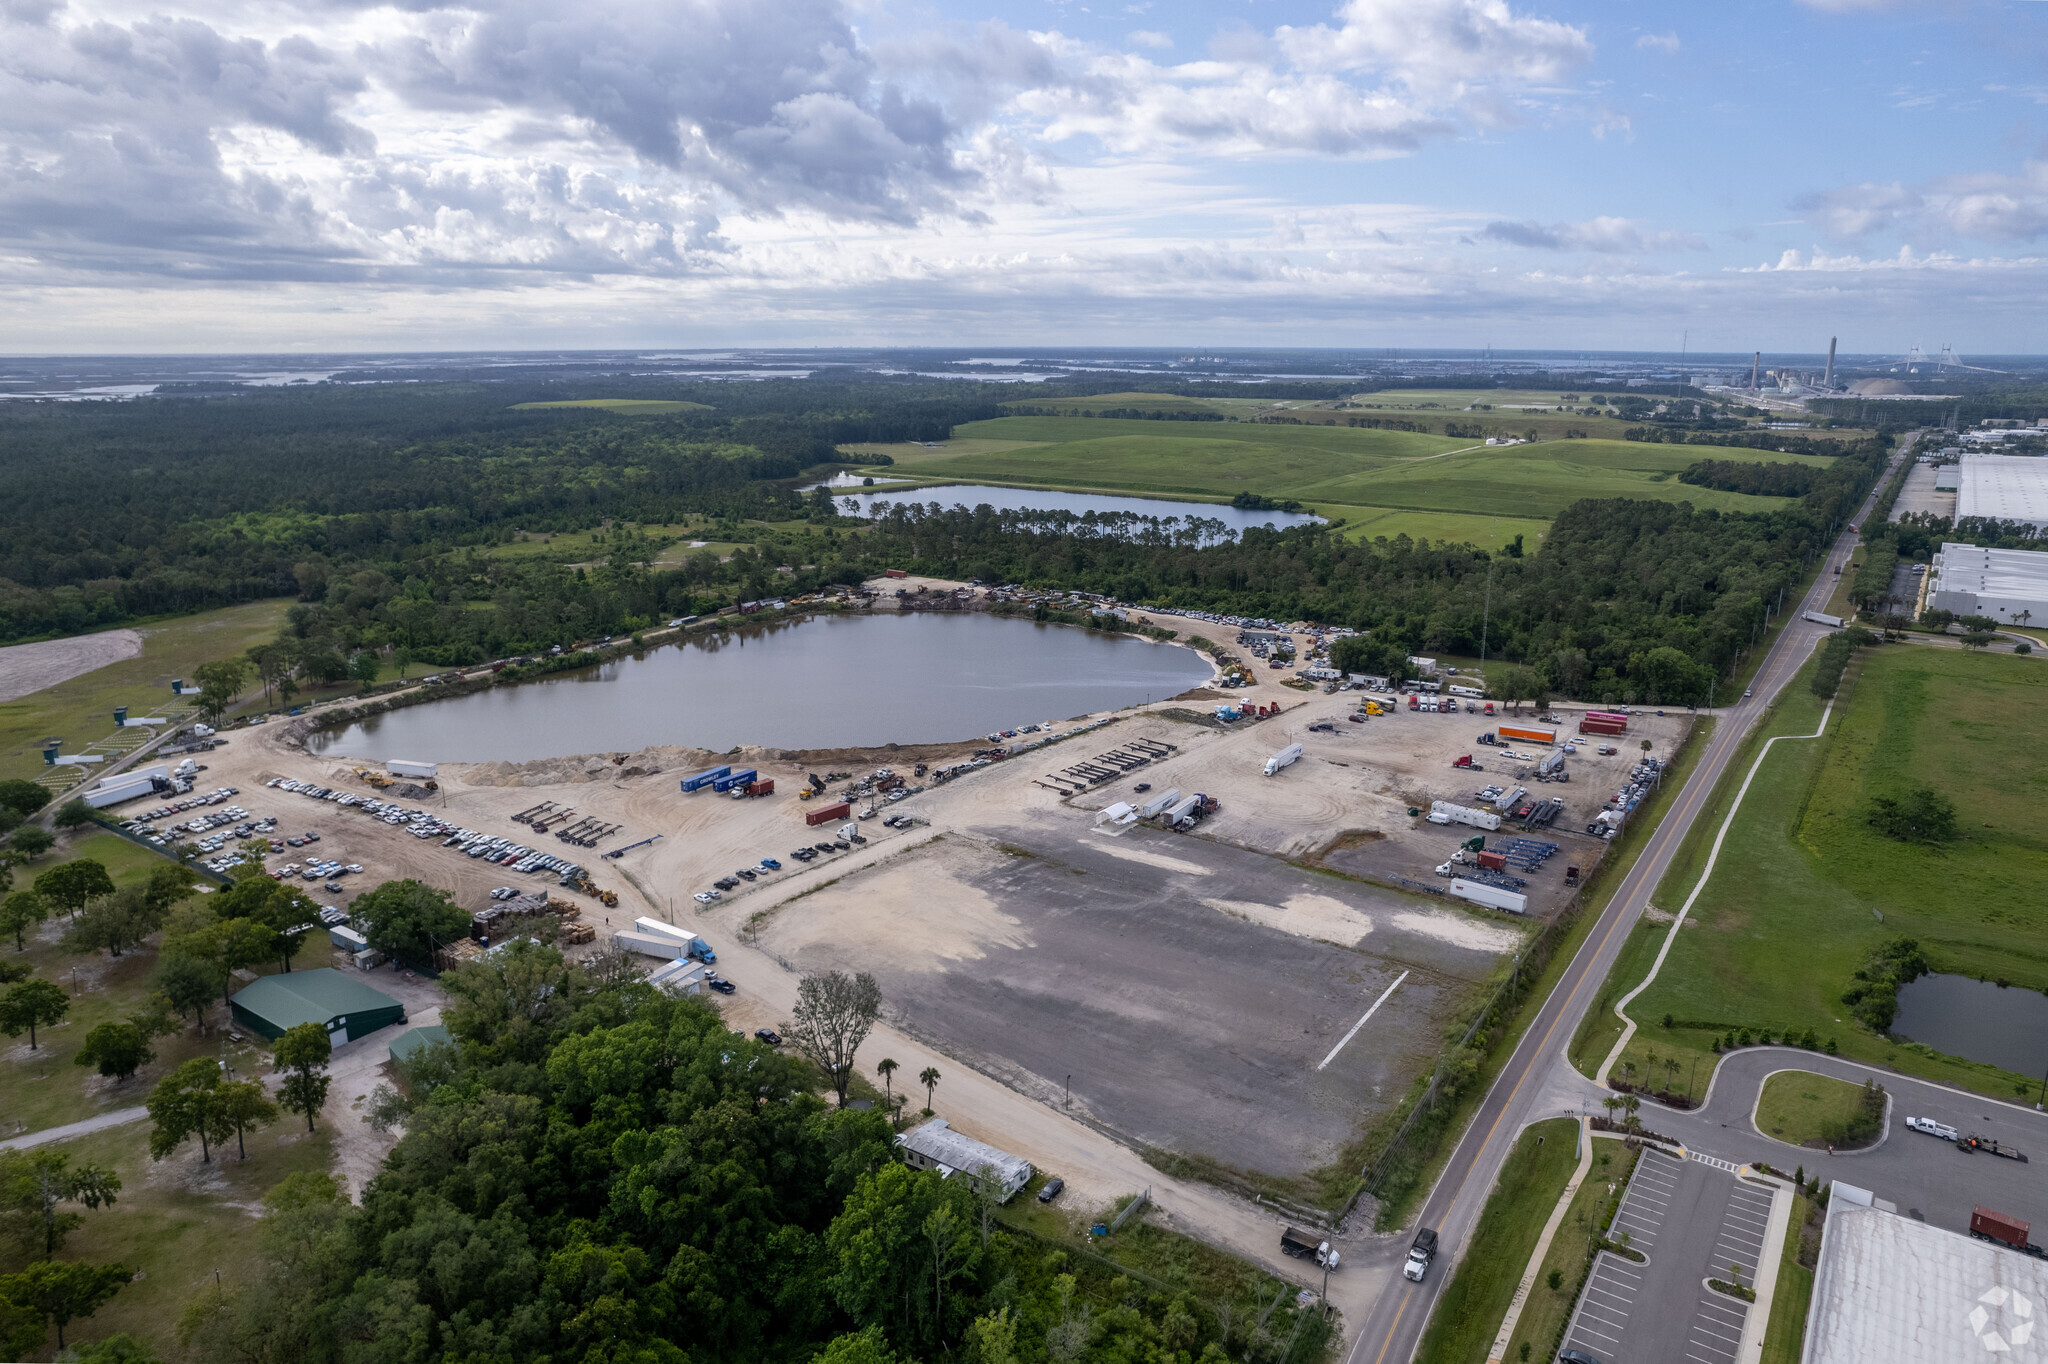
x,y
929,1078
887,1068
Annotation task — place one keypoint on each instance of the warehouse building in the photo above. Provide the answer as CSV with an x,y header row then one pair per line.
x,y
337,1001
2008,585
936,1146
2003,488
413,1041
1892,1287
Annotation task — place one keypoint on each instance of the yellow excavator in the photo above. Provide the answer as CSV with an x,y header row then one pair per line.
x,y
376,779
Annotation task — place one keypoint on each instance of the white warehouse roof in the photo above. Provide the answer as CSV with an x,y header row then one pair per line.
x,y
1999,583
1889,1287
2004,487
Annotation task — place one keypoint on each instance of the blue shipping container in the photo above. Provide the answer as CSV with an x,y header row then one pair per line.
x,y
732,779
704,779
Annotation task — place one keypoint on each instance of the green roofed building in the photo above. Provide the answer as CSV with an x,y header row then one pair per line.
x,y
415,1040
336,1000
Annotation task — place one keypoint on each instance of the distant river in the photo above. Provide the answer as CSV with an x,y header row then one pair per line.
x,y
825,682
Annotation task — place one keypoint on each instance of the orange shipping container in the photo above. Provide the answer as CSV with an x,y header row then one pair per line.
x,y
1528,734
828,813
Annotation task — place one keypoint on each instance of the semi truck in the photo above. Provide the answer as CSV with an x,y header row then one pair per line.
x,y
1493,897
764,786
1286,757
704,778
1822,618
1420,1252
730,780
1304,1245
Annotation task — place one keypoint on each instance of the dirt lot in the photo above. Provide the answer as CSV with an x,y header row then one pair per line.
x,y
27,668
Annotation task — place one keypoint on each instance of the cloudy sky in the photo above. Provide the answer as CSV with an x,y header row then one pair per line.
x,y
269,174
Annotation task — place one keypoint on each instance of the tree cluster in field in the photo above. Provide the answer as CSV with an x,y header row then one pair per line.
x,y
1833,659
1774,479
597,1170
1864,1122
1922,815
1874,995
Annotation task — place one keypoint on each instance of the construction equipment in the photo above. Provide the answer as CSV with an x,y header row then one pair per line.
x,y
376,779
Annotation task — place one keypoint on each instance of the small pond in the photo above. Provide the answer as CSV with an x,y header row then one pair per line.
x,y
824,682
1232,519
1977,1020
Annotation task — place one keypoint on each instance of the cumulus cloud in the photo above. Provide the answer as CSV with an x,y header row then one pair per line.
x,y
1609,236
1658,42
1984,206
1146,37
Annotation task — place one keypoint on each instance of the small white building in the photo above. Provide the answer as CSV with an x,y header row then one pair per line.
x,y
936,1146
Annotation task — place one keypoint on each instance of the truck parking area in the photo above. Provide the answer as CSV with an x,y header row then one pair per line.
x,y
1195,993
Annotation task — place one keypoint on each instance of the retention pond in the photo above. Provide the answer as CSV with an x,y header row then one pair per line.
x,y
825,682
1225,520
1976,1020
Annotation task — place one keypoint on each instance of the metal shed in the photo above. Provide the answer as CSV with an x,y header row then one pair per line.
x,y
340,1003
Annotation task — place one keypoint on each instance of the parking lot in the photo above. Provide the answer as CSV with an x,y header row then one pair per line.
x,y
1694,1220
1198,995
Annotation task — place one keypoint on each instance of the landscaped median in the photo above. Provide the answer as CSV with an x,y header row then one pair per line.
x,y
1469,1316
1812,905
1801,1108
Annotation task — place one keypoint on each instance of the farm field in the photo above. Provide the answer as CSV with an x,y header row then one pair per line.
x,y
1381,483
81,710
1778,933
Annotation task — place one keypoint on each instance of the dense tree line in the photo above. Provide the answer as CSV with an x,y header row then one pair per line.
x,y
596,1171
1775,479
182,503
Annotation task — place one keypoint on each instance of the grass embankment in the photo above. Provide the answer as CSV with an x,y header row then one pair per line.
x,y
44,1088
1379,482
81,710
1570,1257
1785,1334
1798,1106
1399,1193
1477,1298
1806,890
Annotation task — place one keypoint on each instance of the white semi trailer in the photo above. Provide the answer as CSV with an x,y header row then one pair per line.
x,y
1286,757
1493,897
1443,812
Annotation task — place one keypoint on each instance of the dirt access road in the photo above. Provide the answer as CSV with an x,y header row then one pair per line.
x,y
28,668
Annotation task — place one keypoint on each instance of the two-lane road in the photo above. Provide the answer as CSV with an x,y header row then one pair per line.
x,y
1391,1330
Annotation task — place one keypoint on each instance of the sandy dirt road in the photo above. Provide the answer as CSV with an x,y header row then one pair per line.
x,y
28,668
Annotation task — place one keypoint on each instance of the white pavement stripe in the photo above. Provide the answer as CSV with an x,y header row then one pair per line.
x,y
1361,1022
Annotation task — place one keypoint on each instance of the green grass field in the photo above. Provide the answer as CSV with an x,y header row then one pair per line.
x,y
1570,1256
1810,890
82,709
1477,1298
1797,1105
43,1088
177,1221
632,407
1380,483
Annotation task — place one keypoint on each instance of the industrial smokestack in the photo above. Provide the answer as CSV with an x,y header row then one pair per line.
x,y
1828,383
1755,366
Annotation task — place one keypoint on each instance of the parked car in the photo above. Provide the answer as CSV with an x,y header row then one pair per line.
x,y
705,897
720,984
769,1035
1574,1356
1052,1189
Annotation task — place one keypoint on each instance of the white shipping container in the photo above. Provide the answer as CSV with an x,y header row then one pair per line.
x,y
653,945
1493,897
400,768
1443,812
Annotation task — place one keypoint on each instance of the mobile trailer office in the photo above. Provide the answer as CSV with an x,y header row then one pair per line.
x,y
399,767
